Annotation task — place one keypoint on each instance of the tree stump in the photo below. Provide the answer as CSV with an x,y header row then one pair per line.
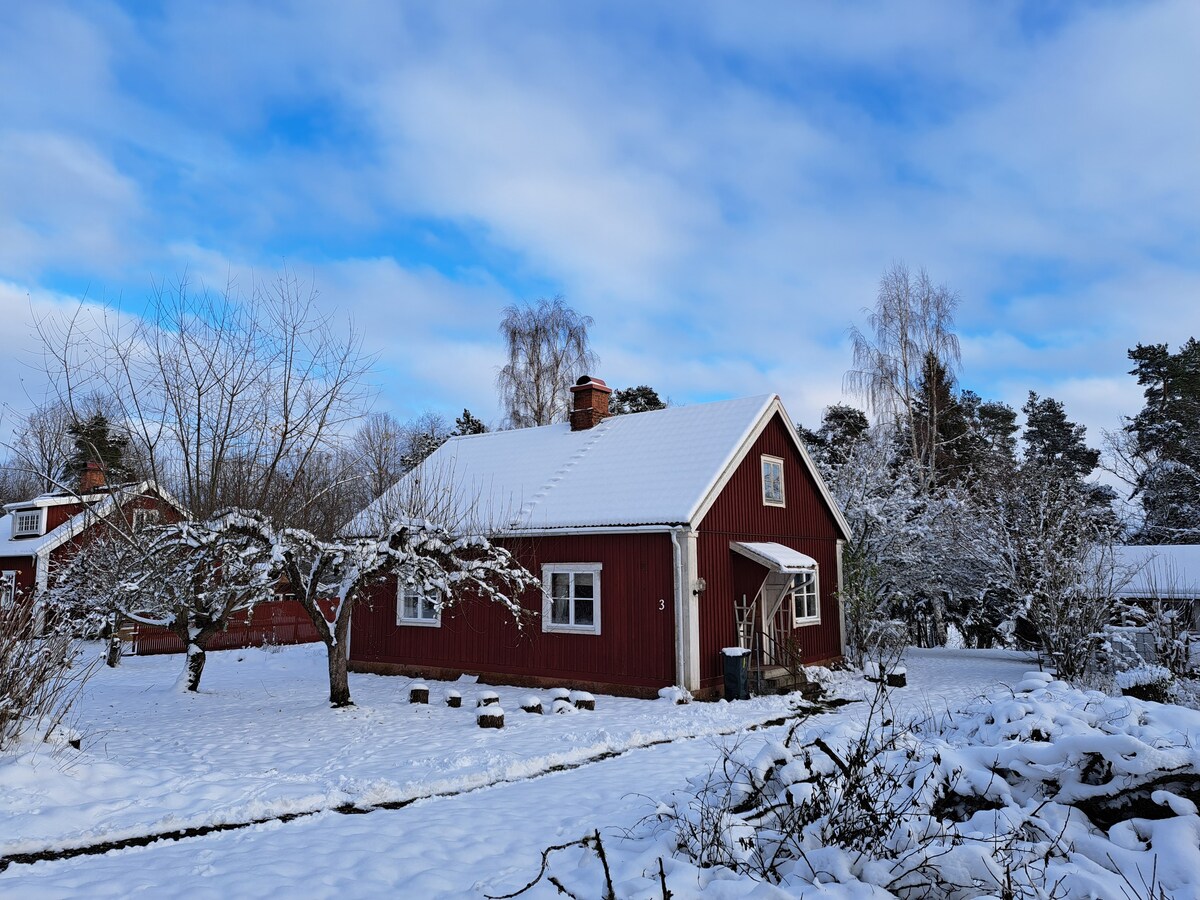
x,y
488,698
453,699
418,693
532,704
583,700
489,717
560,694
898,678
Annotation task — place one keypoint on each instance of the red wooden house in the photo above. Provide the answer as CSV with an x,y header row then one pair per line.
x,y
660,538
38,534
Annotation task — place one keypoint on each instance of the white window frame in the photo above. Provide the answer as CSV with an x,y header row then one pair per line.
x,y
549,570
143,516
795,596
424,603
37,530
8,588
772,461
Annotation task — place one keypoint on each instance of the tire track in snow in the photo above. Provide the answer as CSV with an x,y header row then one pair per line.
x,y
96,849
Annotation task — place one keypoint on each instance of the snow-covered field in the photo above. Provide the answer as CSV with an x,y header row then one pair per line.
x,y
261,741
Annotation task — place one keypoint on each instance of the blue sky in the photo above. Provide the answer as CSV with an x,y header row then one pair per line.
x,y
720,185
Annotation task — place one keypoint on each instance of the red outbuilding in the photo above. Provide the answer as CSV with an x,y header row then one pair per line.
x,y
660,538
43,532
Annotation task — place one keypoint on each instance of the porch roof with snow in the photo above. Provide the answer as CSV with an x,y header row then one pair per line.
x,y
775,556
658,468
1159,570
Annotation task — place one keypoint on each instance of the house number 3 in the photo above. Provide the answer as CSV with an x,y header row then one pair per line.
x,y
662,604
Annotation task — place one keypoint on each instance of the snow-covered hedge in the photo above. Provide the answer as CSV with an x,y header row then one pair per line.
x,y
1047,791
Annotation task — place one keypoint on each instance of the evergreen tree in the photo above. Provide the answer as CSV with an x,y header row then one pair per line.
x,y
940,425
1166,442
467,423
96,442
842,428
642,398
1055,442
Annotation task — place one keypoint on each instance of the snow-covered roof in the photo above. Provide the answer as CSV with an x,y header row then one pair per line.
x,y
97,506
776,556
1163,570
650,468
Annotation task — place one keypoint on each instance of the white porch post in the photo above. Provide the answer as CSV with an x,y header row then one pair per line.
x,y
687,610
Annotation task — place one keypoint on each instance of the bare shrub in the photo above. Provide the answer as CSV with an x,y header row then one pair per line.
x,y
39,675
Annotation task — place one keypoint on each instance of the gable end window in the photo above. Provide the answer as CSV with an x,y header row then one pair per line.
x,y
806,599
772,481
27,523
417,607
571,597
144,518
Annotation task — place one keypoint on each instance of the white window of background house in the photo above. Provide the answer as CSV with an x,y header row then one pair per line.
x,y
8,588
27,522
806,599
416,607
143,518
772,480
571,597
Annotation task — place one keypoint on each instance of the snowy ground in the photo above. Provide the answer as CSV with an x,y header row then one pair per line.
x,y
260,740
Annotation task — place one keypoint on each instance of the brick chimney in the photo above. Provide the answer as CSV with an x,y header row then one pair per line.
x,y
590,405
92,478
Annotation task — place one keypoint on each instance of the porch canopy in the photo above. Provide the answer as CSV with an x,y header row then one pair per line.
x,y
776,557
782,564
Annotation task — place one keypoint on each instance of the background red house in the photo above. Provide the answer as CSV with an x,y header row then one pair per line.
x,y
660,538
38,534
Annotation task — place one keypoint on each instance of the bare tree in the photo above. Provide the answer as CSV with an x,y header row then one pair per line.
x,y
225,395
547,348
912,321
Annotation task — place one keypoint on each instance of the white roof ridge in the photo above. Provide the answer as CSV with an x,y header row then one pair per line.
x,y
557,476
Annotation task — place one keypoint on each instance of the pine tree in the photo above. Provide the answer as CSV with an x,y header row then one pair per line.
x,y
96,442
1053,441
467,423
940,425
642,398
1166,442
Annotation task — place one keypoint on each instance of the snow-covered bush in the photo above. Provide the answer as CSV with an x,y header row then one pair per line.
x,y
677,695
1147,683
40,675
1044,792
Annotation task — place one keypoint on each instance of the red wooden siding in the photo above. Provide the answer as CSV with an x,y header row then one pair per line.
x,y
739,514
280,622
635,649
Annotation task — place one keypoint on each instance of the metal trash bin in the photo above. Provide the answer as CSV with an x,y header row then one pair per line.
x,y
736,666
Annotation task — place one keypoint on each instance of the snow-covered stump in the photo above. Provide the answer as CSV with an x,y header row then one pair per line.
x,y
677,695
532,704
583,700
490,716
453,699
487,698
563,707
896,676
418,693
560,694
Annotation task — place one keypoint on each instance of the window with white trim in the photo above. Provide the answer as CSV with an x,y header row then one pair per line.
x,y
806,598
417,607
144,518
772,481
571,597
8,588
27,523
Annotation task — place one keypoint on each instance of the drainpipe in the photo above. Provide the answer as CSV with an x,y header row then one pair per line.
x,y
687,611
841,606
680,599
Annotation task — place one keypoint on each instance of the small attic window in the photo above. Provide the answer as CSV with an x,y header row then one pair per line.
x,y
27,523
772,481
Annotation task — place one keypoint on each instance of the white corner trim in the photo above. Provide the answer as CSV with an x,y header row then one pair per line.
x,y
687,609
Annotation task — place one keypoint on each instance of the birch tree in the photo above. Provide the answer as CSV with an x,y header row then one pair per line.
x,y
546,349
913,320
